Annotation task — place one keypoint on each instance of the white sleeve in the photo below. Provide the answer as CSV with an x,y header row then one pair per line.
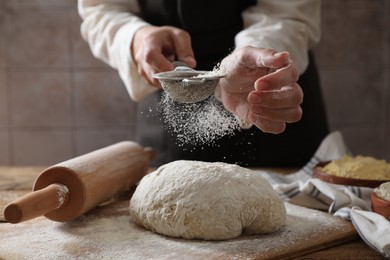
x,y
109,26
283,25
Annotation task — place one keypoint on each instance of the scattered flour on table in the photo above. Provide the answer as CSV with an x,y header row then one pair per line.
x,y
198,123
116,237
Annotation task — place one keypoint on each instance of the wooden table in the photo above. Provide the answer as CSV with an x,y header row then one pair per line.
x,y
15,181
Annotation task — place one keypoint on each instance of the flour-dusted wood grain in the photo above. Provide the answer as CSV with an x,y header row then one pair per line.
x,y
107,233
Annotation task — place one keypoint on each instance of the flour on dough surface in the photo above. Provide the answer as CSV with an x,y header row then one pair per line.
x,y
210,201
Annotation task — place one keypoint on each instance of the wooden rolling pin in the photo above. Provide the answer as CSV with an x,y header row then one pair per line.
x,y
68,189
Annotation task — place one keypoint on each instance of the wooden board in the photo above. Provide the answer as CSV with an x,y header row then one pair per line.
x,y
107,233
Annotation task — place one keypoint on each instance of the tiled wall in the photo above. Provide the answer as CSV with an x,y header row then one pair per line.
x,y
57,101
354,59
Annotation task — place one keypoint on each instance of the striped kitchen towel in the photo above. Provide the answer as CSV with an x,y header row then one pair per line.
x,y
351,203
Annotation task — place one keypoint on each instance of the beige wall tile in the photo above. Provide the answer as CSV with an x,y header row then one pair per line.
x,y
89,140
387,44
37,38
102,100
387,143
2,36
3,89
387,92
353,95
353,34
81,53
41,147
4,148
41,4
3,100
39,99
365,140
350,4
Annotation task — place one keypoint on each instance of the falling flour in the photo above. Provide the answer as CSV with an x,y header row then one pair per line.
x,y
197,123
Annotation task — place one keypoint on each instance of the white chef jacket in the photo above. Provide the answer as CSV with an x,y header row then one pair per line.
x,y
282,25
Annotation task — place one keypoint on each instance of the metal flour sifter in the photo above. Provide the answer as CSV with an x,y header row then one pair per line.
x,y
185,85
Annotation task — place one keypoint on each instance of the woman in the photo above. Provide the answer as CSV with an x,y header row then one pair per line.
x,y
263,44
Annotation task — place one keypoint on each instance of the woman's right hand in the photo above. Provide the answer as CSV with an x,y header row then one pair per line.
x,y
154,48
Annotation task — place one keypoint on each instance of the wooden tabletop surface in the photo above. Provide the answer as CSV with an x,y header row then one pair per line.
x,y
16,181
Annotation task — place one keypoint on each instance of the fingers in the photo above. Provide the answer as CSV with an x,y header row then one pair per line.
x,y
268,126
279,78
275,109
288,96
153,46
183,49
151,64
275,60
284,115
154,59
270,110
259,57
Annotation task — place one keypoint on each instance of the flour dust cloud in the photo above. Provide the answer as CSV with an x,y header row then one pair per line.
x,y
198,123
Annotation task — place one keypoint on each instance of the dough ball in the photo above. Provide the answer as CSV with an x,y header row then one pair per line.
x,y
210,201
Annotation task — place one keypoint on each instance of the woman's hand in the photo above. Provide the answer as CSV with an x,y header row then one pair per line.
x,y
261,88
154,48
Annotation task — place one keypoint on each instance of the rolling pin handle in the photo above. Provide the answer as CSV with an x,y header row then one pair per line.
x,y
37,203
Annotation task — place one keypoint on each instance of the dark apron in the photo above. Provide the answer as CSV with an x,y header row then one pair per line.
x,y
212,26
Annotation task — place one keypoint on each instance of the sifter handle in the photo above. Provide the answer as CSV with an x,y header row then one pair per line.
x,y
37,203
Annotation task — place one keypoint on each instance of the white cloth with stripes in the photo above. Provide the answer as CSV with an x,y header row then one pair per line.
x,y
351,203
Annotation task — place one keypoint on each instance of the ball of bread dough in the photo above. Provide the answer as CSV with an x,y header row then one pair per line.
x,y
210,201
